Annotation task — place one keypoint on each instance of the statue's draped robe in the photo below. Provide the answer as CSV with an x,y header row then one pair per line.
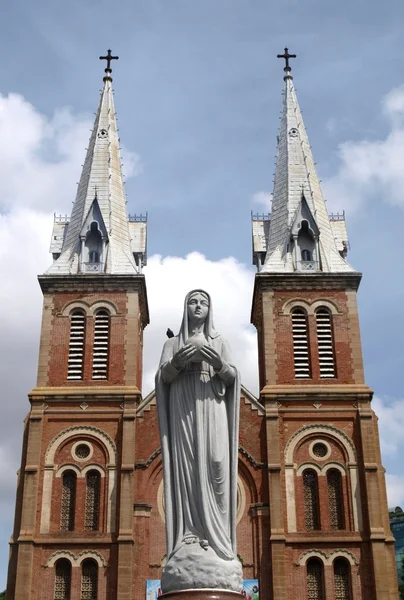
x,y
198,411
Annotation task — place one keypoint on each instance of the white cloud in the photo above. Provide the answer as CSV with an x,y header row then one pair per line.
x,y
41,157
263,200
230,285
372,169
391,424
395,490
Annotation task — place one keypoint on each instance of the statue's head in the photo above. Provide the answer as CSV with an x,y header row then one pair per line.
x,y
198,306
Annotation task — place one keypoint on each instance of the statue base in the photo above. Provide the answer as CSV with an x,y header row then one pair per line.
x,y
202,594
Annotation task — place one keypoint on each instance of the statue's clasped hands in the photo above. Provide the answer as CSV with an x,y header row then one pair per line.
x,y
185,354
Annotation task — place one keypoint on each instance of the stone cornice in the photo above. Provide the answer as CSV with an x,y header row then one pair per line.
x,y
98,283
331,392
103,393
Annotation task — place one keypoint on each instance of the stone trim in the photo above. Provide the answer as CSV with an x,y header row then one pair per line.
x,y
92,467
308,465
74,305
146,463
49,474
328,557
75,559
105,304
86,430
255,463
52,560
67,467
80,443
330,430
291,468
321,471
320,458
323,280
88,308
310,307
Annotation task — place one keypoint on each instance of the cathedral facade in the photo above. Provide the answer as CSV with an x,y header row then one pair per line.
x,y
312,518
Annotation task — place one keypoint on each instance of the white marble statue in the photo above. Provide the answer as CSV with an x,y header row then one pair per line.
x,y
198,396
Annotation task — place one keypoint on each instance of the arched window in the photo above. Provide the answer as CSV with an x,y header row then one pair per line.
x,y
68,501
307,255
63,572
335,499
101,345
342,580
311,504
300,344
76,345
315,579
93,481
94,256
325,343
89,580
93,241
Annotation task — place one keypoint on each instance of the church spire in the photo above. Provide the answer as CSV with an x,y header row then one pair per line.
x,y
97,238
302,237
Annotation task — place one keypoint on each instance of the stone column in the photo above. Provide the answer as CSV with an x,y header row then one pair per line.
x,y
125,536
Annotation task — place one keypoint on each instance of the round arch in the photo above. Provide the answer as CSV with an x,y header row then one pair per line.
x,y
328,430
85,430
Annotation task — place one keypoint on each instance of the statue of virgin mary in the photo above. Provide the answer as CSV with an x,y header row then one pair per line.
x,y
198,396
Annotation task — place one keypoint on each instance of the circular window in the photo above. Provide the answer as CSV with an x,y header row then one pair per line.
x,y
82,451
293,132
320,450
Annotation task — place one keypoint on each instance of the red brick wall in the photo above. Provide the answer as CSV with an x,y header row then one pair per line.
x,y
252,530
284,339
60,333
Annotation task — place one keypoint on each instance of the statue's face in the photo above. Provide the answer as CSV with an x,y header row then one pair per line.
x,y
198,307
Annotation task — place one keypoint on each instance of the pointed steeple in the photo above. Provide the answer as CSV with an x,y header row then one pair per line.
x,y
301,234
97,237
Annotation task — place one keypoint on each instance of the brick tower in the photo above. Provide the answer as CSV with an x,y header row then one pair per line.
x,y
73,535
329,529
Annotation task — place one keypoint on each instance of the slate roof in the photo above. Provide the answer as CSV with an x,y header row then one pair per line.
x,y
296,177
102,177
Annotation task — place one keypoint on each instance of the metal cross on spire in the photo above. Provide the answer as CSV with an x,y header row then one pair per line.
x,y
108,58
286,56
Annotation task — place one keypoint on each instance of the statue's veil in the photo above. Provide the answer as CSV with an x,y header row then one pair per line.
x,y
208,330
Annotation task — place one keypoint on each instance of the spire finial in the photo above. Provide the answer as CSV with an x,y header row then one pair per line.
x,y
286,56
108,58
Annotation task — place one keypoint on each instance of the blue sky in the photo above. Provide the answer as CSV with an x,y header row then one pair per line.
x,y
198,97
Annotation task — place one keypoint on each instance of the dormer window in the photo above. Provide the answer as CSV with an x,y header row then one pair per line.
x,y
94,241
307,255
305,236
94,257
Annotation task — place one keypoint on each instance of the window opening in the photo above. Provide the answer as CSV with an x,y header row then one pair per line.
x,y
306,255
101,345
82,451
68,501
311,505
325,344
315,580
300,344
342,584
93,481
94,256
62,579
89,580
76,345
335,499
320,450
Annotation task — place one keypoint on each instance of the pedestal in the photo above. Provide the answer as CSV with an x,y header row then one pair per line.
x,y
203,594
